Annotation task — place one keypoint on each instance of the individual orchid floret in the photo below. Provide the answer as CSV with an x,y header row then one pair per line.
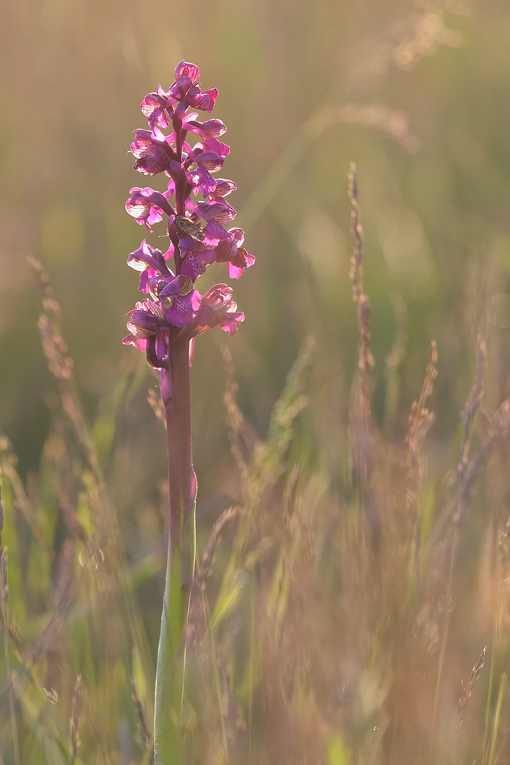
x,y
154,108
147,206
218,307
145,321
152,153
151,262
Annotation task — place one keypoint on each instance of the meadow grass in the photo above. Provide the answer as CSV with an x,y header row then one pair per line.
x,y
348,612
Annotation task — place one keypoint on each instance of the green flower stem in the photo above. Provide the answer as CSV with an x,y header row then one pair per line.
x,y
170,667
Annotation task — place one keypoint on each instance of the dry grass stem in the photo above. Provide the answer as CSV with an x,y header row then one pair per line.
x,y
472,405
76,717
61,364
361,392
394,361
420,418
365,361
467,690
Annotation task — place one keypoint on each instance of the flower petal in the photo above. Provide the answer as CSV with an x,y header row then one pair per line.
x,y
204,100
185,69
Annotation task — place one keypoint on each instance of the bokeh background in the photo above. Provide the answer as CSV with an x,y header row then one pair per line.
x,y
415,93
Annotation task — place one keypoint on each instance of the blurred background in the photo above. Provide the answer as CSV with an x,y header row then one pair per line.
x,y
415,93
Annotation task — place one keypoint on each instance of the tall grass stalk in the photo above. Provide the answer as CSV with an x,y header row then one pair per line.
x,y
489,729
497,719
446,631
3,617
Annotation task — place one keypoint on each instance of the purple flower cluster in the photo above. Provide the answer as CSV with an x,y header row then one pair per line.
x,y
174,309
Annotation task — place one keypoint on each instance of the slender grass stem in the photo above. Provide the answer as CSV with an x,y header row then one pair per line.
x,y
3,617
497,623
446,631
497,718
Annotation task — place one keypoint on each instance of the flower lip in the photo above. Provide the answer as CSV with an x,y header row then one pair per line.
x,y
180,310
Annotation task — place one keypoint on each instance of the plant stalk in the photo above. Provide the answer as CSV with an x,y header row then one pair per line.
x,y
169,670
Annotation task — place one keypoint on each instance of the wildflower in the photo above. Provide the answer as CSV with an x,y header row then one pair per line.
x,y
173,313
